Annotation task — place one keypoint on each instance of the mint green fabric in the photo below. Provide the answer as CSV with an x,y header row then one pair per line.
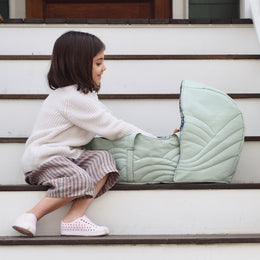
x,y
142,159
206,149
212,135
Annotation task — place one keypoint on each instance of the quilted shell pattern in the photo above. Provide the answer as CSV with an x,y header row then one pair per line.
x,y
155,159
212,135
141,159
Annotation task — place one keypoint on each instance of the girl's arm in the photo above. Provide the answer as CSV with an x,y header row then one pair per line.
x,y
91,115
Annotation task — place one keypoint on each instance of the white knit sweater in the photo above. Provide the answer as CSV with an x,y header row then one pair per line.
x,y
68,120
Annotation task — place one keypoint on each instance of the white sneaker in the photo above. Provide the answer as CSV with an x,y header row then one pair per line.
x,y
82,227
26,224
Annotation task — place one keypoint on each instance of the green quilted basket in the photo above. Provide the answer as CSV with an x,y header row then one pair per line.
x,y
206,149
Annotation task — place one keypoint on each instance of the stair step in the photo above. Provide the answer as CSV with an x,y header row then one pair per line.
x,y
203,247
124,21
175,210
203,239
122,109
141,187
15,146
38,39
216,71
164,126
146,57
123,96
21,140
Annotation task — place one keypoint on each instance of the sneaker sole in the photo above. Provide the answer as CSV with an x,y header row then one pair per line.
x,y
23,231
84,233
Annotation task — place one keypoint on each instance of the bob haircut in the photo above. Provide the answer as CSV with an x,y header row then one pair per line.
x,y
72,61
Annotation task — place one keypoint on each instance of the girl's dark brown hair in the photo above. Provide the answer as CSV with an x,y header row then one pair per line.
x,y
72,60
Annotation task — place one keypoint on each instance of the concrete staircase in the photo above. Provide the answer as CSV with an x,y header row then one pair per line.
x,y
146,63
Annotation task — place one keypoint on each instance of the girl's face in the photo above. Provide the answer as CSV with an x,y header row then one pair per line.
x,y
98,67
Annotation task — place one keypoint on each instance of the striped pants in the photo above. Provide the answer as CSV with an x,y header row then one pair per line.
x,y
68,177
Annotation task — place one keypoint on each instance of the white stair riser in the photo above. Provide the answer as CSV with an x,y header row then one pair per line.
x,y
153,122
248,165
11,154
140,76
136,39
10,161
150,212
159,117
130,252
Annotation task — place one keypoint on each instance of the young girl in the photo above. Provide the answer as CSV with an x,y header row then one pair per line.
x,y
69,118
